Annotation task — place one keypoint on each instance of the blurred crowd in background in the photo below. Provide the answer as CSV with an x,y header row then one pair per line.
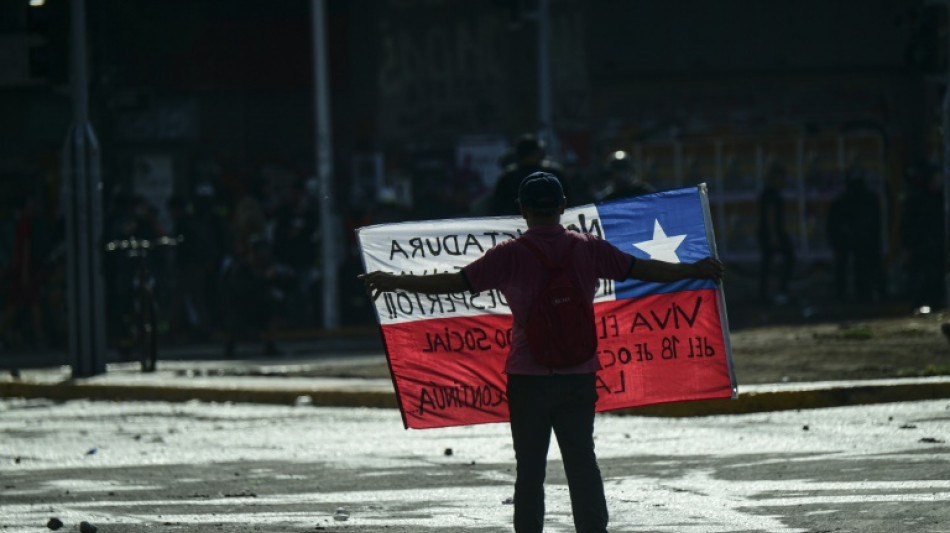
x,y
247,265
822,157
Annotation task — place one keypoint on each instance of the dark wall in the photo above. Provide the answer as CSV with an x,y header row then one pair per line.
x,y
235,77
689,67
696,37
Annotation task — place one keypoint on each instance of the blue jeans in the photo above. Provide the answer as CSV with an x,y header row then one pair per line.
x,y
564,403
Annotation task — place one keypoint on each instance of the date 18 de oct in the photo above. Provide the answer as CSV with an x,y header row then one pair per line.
x,y
670,347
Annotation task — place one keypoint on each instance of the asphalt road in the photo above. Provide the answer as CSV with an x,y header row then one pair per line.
x,y
203,467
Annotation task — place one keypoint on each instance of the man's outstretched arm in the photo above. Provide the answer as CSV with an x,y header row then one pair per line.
x,y
661,271
379,282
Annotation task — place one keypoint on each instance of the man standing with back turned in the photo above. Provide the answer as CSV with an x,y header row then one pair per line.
x,y
541,398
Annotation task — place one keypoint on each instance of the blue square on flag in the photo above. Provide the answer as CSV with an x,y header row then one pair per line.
x,y
668,226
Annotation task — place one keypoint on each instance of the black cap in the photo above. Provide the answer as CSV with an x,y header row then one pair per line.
x,y
541,190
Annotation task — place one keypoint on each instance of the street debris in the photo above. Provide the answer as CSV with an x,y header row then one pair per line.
x,y
243,494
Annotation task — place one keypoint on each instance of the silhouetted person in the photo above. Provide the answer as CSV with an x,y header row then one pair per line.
x,y
773,236
196,261
463,186
922,236
295,245
8,223
621,180
248,220
132,217
28,272
543,400
217,240
253,290
530,157
854,232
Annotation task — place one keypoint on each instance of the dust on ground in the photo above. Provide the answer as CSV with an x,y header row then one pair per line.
x,y
845,349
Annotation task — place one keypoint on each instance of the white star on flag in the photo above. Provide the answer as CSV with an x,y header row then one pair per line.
x,y
660,246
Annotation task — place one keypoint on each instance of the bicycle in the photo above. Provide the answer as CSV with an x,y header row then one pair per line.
x,y
144,309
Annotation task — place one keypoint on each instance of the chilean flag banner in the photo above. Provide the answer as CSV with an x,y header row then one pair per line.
x,y
657,342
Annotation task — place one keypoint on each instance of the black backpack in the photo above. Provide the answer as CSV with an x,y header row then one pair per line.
x,y
560,326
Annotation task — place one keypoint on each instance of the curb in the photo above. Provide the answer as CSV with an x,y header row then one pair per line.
x,y
754,401
788,400
95,391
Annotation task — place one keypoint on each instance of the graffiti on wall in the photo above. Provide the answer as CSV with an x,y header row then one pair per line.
x,y
471,70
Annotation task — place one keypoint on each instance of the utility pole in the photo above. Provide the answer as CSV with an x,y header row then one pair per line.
x,y
946,188
82,202
545,114
324,164
946,165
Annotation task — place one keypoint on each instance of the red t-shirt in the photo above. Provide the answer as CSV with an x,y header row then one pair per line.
x,y
514,270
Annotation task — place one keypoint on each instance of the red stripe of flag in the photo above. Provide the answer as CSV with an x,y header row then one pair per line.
x,y
654,349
